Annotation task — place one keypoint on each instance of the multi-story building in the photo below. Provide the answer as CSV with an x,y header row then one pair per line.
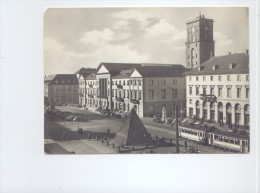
x,y
91,90
224,81
200,43
61,89
106,72
82,75
146,87
153,87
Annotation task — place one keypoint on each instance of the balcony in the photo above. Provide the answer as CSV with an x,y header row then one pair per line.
x,y
119,86
90,96
135,101
90,86
119,99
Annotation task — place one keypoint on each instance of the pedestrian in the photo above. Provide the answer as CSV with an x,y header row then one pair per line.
x,y
185,144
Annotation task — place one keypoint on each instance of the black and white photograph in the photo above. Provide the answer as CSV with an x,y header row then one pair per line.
x,y
146,80
129,96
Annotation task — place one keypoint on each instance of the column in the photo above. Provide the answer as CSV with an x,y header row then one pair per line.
x,y
233,115
216,113
201,110
208,113
224,114
242,115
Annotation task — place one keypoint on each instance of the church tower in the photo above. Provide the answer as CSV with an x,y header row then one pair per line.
x,y
200,45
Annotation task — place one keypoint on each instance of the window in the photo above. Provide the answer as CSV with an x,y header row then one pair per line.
x,y
150,82
204,90
219,78
197,78
211,78
174,93
190,78
228,78
151,93
123,82
204,78
247,77
140,95
238,77
238,92
112,82
229,92
247,93
190,90
162,82
140,82
197,91
212,90
190,101
163,93
174,82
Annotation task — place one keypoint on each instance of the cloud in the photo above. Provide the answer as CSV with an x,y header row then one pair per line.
x,y
223,43
165,32
103,37
58,59
144,18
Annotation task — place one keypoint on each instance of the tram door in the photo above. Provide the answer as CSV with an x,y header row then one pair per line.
x,y
244,146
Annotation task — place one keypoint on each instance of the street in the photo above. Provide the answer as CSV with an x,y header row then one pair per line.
x,y
98,124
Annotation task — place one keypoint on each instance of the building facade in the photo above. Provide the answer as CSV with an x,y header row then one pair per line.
x,y
82,75
146,87
218,90
61,89
200,43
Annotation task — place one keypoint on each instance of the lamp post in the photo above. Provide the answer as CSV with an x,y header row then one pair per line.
x,y
177,128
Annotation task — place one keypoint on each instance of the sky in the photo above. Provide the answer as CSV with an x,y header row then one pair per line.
x,y
85,37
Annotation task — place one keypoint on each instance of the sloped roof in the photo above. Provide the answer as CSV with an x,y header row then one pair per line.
x,y
239,60
164,70
85,71
115,68
132,132
91,76
62,79
123,74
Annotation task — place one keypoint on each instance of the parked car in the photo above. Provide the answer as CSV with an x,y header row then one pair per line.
x,y
78,119
168,120
124,115
70,118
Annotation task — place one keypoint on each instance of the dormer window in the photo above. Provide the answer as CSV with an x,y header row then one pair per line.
x,y
215,67
232,65
200,68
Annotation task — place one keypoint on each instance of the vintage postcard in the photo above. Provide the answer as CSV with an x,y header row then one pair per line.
x,y
146,80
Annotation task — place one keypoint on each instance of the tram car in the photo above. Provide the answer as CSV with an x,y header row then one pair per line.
x,y
229,141
199,134
217,138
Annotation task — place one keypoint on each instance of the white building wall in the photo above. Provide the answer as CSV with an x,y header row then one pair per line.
x,y
224,83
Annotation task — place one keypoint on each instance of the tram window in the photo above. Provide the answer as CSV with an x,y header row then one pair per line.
x,y
243,142
231,141
220,139
237,142
246,143
225,139
216,137
195,133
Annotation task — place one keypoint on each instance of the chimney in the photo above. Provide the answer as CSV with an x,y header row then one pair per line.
x,y
246,52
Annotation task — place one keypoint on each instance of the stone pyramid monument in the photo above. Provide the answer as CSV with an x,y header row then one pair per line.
x,y
132,132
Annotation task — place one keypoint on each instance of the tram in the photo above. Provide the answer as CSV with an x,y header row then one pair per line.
x,y
216,138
